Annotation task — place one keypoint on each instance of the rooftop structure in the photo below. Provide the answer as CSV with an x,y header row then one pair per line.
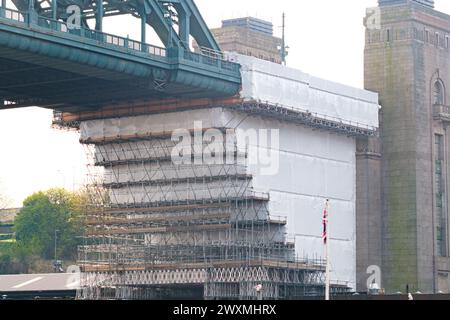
x,y
251,23
428,3
249,36
8,215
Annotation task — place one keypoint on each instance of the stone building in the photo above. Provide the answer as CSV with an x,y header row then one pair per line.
x,y
249,36
403,178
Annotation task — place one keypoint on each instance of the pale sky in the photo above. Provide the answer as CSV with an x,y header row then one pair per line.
x,y
326,38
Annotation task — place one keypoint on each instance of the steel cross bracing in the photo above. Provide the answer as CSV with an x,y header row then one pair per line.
x,y
235,283
161,15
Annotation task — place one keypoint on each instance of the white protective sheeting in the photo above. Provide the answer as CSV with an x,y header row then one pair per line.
x,y
313,166
217,237
307,167
155,124
265,81
181,192
163,171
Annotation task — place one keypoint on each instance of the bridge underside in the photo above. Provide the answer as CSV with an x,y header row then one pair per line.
x,y
48,83
48,86
46,64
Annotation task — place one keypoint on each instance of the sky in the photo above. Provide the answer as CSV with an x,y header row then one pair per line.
x,y
326,39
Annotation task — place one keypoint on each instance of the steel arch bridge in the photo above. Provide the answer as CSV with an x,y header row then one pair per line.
x,y
49,61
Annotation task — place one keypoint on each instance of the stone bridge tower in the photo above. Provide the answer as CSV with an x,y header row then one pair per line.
x,y
407,60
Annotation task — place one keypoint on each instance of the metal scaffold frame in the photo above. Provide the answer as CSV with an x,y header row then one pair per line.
x,y
157,229
296,114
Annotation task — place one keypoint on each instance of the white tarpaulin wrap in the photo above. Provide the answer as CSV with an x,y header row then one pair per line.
x,y
273,83
308,167
313,166
154,124
298,167
178,192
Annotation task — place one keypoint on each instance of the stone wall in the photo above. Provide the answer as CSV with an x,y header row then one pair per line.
x,y
248,42
403,60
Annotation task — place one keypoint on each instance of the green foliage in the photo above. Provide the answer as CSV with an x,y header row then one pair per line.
x,y
5,257
13,259
4,247
41,215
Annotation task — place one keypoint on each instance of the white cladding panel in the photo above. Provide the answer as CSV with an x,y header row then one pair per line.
x,y
158,123
270,82
313,166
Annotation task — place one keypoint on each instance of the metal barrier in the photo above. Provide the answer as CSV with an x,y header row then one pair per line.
x,y
101,37
206,56
12,15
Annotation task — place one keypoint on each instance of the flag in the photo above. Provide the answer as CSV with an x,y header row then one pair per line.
x,y
325,224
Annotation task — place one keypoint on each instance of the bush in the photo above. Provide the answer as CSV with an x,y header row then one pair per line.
x,y
5,257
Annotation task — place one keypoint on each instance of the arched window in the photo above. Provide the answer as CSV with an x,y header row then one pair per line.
x,y
439,95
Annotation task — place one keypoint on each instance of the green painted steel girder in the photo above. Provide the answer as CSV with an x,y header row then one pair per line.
x,y
113,68
186,15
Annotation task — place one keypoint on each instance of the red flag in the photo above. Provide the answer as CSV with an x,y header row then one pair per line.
x,y
325,224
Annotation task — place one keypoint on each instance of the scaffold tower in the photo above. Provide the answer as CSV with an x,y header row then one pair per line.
x,y
157,229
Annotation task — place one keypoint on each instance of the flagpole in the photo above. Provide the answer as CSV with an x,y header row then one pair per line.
x,y
327,251
327,286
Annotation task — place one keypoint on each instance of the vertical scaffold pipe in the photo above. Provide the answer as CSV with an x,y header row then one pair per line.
x,y
326,242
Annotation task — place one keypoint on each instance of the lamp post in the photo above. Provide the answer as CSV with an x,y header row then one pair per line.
x,y
56,239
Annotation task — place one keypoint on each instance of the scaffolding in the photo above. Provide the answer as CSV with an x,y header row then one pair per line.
x,y
156,229
293,114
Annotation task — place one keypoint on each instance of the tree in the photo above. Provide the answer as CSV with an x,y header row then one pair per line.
x,y
45,213
12,259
